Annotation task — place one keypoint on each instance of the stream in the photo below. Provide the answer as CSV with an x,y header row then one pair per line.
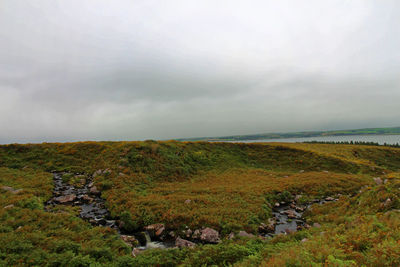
x,y
93,210
287,216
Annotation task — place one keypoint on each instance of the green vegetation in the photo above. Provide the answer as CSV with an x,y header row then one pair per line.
x,y
366,131
231,188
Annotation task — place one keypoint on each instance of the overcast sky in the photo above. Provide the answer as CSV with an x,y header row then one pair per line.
x,y
132,70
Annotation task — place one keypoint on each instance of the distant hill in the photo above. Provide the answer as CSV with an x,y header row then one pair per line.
x,y
365,131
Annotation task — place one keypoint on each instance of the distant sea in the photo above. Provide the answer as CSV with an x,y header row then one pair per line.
x,y
381,139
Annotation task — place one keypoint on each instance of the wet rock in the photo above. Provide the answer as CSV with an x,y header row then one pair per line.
x,y
378,180
93,190
245,234
291,214
299,209
156,229
87,199
182,243
209,235
65,199
130,240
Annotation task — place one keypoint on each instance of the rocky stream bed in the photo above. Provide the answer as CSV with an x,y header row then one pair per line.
x,y
287,218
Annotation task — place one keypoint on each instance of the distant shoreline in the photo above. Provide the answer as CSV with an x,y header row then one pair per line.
x,y
267,136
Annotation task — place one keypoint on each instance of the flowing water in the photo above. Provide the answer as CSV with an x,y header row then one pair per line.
x,y
93,208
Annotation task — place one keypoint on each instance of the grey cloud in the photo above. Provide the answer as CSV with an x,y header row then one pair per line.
x,y
96,70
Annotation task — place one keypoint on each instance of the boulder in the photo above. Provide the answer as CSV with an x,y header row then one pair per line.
x,y
181,243
245,234
65,199
209,235
156,229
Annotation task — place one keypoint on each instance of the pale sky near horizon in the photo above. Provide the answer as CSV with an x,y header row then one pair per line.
x,y
133,70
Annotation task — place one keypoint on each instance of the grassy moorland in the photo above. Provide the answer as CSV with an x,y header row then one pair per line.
x,y
231,187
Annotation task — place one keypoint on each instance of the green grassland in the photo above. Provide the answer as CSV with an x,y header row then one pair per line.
x,y
231,187
266,136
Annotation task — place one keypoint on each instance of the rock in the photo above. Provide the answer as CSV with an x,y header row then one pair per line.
x,y
329,199
277,205
196,234
136,251
316,225
156,229
378,180
231,236
93,190
172,234
299,209
121,174
9,206
130,240
90,184
385,181
301,171
87,199
182,243
10,189
65,199
188,233
209,235
306,226
245,234
187,201
266,228
291,214
387,203
297,198
304,240
96,173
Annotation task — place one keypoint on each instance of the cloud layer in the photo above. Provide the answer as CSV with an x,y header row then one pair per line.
x,y
129,70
